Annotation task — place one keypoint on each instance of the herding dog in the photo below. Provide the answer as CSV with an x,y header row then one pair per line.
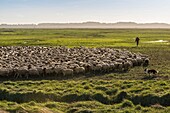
x,y
150,71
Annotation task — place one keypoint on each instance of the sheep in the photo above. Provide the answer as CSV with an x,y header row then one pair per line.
x,y
41,71
134,61
127,65
105,67
21,72
49,71
58,70
139,61
33,72
119,66
146,62
119,60
11,72
112,67
88,67
67,72
79,70
116,65
97,68
4,72
52,60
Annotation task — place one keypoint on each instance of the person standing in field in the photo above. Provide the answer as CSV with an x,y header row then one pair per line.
x,y
137,41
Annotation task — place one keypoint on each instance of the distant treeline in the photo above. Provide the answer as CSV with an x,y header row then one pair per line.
x,y
88,25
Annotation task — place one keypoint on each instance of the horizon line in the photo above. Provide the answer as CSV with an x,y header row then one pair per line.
x,y
84,22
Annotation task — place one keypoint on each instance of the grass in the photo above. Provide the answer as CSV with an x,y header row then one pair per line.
x,y
133,91
112,93
81,37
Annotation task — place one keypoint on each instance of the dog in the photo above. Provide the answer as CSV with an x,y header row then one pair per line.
x,y
151,71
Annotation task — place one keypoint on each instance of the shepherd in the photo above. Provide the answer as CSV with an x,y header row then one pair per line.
x,y
137,41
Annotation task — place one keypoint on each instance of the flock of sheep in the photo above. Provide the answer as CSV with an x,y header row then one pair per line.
x,y
31,61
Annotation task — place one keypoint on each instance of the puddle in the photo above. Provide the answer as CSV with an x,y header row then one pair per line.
x,y
157,41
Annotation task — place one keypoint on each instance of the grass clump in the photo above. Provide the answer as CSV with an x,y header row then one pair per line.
x,y
101,98
120,97
112,91
138,107
126,103
51,105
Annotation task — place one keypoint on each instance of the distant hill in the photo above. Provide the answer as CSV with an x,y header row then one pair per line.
x,y
89,25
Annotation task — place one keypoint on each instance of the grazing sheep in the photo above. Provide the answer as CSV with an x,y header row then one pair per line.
x,y
33,72
133,61
58,70
112,67
67,72
139,61
127,65
120,60
4,72
40,61
79,70
97,68
11,72
146,62
22,72
105,67
119,66
41,71
49,71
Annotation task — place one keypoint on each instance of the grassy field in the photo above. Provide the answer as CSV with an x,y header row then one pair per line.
x,y
113,92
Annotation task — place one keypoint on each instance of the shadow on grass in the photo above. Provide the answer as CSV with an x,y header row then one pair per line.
x,y
61,77
155,77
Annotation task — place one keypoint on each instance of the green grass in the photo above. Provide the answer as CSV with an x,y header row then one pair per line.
x,y
81,37
89,94
133,91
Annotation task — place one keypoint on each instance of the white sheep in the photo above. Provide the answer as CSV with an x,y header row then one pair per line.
x,y
119,60
4,72
112,67
79,70
50,71
139,60
119,66
127,65
22,72
67,72
52,60
58,70
97,68
105,67
41,71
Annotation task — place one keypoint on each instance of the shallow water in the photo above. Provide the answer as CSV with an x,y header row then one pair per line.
x,y
157,41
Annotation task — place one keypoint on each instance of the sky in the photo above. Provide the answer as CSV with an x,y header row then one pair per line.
x,y
75,11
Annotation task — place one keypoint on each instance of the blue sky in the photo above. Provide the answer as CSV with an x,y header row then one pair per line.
x,y
61,11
